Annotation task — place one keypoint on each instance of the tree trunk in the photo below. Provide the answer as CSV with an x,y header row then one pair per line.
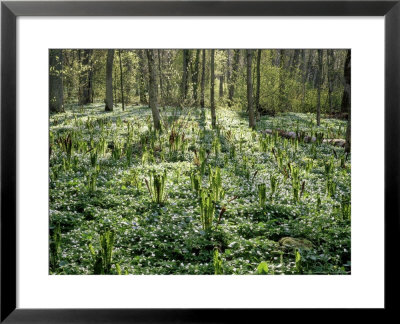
x,y
213,116
109,80
310,65
236,57
345,106
295,61
252,121
90,78
319,73
185,64
153,89
195,76
56,93
221,86
115,86
203,78
257,105
159,52
331,64
142,78
304,81
122,84
282,101
228,67
85,78
347,90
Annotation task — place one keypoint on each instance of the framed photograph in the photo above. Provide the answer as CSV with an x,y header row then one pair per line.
x,y
197,161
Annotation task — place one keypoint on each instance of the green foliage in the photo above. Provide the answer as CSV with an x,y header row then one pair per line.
x,y
91,181
217,261
274,182
102,259
298,267
55,248
212,199
262,194
93,158
156,186
207,209
215,181
195,180
117,150
216,146
295,183
346,208
262,268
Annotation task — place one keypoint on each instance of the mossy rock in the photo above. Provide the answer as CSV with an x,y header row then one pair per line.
x,y
295,243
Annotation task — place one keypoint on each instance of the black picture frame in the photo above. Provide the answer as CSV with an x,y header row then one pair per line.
x,y
10,10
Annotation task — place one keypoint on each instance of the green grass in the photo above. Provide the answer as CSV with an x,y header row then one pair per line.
x,y
95,187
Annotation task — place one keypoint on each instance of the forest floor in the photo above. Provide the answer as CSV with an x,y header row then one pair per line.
x,y
193,200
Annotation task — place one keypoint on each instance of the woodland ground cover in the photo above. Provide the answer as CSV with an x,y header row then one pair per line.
x,y
126,199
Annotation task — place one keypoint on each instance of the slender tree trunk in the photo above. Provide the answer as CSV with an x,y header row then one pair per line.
x,y
304,81
330,78
235,66
252,121
56,93
282,101
153,89
185,64
310,75
142,78
84,78
203,79
122,84
115,86
159,53
345,106
295,61
258,73
347,146
195,76
228,68
213,115
319,79
128,84
221,86
109,80
90,78
347,89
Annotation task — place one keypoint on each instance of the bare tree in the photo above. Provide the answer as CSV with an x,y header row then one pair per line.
x,y
319,79
252,122
153,89
345,106
109,80
159,54
347,90
235,66
85,77
213,116
185,64
195,76
282,99
331,64
56,93
121,78
258,72
142,77
203,78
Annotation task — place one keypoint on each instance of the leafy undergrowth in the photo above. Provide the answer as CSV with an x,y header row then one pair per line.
x,y
191,200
